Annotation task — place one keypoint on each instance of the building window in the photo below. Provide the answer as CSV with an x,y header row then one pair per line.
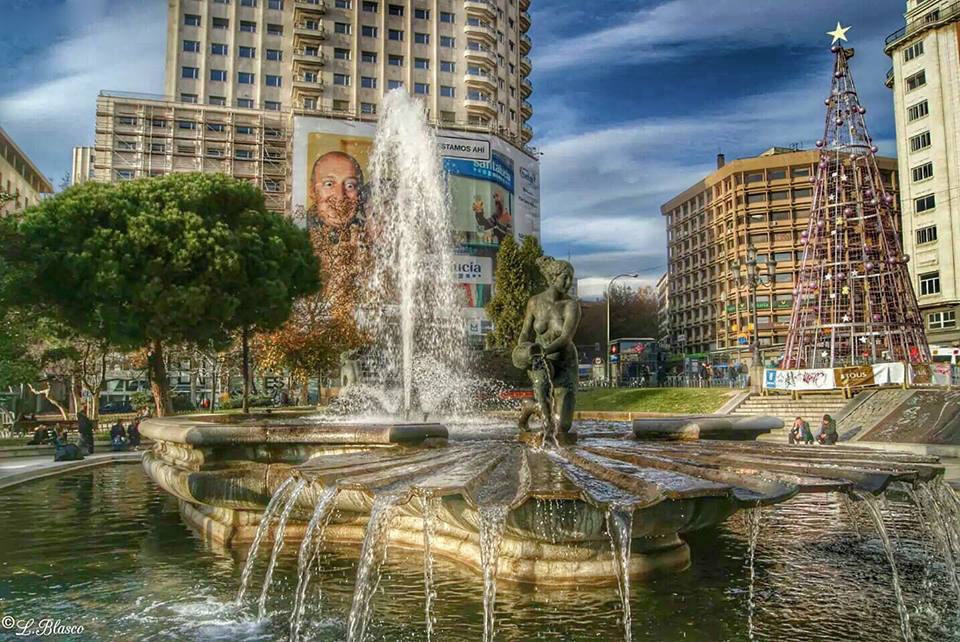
x,y
342,27
216,100
922,172
341,79
367,31
394,84
780,195
802,193
448,41
368,82
368,108
395,34
918,111
191,20
127,145
368,56
926,234
190,72
189,98
248,3
244,130
421,88
446,16
924,203
916,81
448,66
800,172
370,7
246,103
247,52
343,4
218,75
273,81
274,54
186,124
448,92
245,78
421,63
776,174
930,283
421,38
395,61
248,27
448,116
271,105
473,94
756,198
341,54
274,30
341,105
221,23
396,10
941,320
215,152
159,123
243,154
124,174
191,46
276,5
914,50
920,141
219,49
421,14
309,103
158,148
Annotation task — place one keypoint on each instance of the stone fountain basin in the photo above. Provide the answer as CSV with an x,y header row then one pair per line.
x,y
224,472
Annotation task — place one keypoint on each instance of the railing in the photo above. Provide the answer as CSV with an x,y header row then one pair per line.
x,y
944,14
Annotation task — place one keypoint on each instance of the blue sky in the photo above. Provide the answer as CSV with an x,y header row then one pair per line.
x,y
632,99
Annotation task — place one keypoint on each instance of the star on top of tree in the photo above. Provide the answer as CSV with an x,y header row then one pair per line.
x,y
840,33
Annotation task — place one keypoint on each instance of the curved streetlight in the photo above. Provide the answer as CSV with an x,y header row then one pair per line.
x,y
632,275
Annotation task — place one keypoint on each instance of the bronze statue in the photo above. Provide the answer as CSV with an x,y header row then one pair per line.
x,y
545,348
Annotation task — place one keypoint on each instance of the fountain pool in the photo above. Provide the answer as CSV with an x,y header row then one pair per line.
x,y
107,549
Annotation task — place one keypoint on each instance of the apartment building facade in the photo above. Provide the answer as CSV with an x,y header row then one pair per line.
x,y
82,165
467,59
925,80
763,202
22,184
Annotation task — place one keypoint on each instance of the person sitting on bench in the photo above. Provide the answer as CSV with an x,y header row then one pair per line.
x,y
118,437
65,451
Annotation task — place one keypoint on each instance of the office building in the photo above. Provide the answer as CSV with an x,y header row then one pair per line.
x,y
925,80
763,202
21,183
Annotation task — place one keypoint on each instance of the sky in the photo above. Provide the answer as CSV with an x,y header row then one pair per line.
x,y
632,99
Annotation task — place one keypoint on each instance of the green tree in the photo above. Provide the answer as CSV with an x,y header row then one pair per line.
x,y
517,278
180,259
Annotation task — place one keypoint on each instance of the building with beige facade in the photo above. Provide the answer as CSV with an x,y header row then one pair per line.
x,y
468,59
21,183
925,80
82,165
762,202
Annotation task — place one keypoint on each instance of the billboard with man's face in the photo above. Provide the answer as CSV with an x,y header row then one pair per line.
x,y
494,192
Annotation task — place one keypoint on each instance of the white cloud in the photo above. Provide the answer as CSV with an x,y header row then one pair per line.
x,y
108,45
683,27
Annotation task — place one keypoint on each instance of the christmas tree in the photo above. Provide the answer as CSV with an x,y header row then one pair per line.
x,y
854,303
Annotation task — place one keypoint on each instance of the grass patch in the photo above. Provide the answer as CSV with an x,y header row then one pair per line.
x,y
664,400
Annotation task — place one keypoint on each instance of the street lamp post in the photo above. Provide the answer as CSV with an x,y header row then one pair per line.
x,y
752,280
610,285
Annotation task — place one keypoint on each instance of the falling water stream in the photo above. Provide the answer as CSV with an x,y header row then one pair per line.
x,y
309,550
873,509
492,521
278,537
753,530
262,529
431,505
620,528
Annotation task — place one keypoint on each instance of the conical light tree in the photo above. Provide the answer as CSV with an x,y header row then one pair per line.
x,y
854,302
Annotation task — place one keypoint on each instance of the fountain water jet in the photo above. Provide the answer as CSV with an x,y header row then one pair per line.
x,y
278,538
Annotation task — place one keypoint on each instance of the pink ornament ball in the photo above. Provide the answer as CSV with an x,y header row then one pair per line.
x,y
813,179
874,149
838,74
826,101
839,121
848,211
869,265
796,291
820,142
888,199
906,258
868,193
835,48
876,317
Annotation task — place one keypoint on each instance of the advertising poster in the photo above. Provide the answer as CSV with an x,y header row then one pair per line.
x,y
494,192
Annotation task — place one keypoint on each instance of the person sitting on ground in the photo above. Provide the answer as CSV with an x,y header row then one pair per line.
x,y
118,437
796,431
63,450
40,436
828,431
85,428
133,434
806,435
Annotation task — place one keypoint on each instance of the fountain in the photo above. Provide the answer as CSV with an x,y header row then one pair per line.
x,y
606,507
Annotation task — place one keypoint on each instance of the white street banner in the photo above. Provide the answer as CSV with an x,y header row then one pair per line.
x,y
821,379
889,373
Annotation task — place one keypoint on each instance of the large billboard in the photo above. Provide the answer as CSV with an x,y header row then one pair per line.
x,y
494,192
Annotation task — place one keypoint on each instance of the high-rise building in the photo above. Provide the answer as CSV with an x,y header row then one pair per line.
x,y
21,183
761,202
925,79
466,58
663,308
81,169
